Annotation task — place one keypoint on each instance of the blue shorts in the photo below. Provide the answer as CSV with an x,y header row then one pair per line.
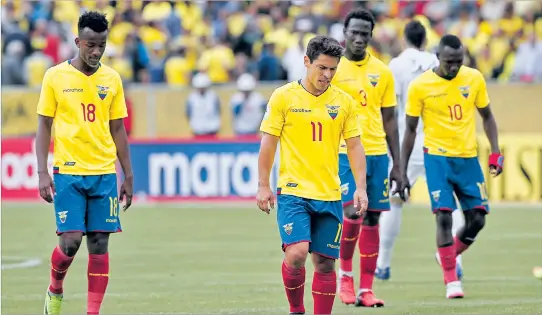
x,y
462,176
86,203
306,220
377,182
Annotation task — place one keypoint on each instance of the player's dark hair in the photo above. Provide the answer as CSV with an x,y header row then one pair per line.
x,y
96,21
415,33
451,41
324,45
360,14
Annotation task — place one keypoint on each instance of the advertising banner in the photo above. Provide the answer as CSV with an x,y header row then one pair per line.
x,y
222,170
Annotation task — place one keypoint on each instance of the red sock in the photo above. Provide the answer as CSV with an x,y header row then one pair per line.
x,y
98,277
369,243
349,239
447,261
324,286
294,284
460,247
59,266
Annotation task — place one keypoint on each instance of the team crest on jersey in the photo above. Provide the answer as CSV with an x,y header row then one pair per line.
x,y
436,195
288,227
345,188
373,78
62,215
333,111
464,91
102,91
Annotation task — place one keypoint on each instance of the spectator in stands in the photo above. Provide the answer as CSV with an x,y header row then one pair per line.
x,y
269,67
218,61
203,107
248,106
292,61
35,66
530,67
177,68
12,64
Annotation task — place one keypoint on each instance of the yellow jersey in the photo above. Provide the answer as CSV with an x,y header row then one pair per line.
x,y
448,110
370,83
310,129
82,107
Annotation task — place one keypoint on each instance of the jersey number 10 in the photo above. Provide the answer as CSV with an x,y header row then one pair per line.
x,y
456,112
89,112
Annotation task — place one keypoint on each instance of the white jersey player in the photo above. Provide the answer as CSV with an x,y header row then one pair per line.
x,y
412,62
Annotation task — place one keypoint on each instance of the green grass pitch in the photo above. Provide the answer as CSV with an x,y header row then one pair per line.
x,y
216,260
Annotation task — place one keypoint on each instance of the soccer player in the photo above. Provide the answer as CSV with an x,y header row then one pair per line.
x,y
412,62
309,117
370,82
446,98
84,100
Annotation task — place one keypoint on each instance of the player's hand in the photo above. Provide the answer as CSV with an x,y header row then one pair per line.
x,y
396,180
265,199
127,190
496,164
404,189
361,202
46,186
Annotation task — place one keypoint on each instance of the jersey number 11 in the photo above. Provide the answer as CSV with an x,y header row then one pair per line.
x,y
316,131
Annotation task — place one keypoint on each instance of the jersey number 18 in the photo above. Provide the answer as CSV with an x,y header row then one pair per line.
x,y
89,112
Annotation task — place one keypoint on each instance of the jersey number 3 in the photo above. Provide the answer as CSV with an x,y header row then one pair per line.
x,y
89,112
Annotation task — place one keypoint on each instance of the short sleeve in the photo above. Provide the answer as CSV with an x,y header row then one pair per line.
x,y
118,108
414,102
389,99
482,98
274,117
47,102
351,127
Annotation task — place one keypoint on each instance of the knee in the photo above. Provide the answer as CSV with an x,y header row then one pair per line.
x,y
479,220
350,213
296,254
371,218
444,220
97,243
70,242
323,264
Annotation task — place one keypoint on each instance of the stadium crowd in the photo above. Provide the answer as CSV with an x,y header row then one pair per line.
x,y
170,41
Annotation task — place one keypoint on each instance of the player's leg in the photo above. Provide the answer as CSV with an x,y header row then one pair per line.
x,y
70,209
438,172
103,219
350,232
472,194
390,225
326,228
294,224
369,239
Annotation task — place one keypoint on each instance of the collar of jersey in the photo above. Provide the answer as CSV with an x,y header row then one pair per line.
x,y
86,75
362,62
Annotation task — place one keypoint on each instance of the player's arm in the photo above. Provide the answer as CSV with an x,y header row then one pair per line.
x,y
118,112
356,157
46,115
490,127
413,111
389,118
271,129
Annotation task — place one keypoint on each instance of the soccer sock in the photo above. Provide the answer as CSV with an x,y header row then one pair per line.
x,y
59,266
324,286
349,238
98,277
447,262
460,247
369,242
294,284
390,223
